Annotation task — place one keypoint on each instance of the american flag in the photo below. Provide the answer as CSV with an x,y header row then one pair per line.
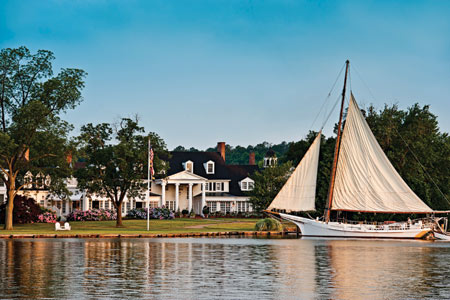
x,y
151,155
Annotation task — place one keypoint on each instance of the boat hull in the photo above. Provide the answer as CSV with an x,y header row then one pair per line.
x,y
403,230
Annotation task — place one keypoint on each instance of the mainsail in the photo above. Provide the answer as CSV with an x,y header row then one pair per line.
x,y
299,192
366,181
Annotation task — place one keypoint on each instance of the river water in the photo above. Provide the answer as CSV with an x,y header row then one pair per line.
x,y
223,268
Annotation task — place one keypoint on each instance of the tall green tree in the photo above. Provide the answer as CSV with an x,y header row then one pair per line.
x,y
33,137
268,183
413,142
117,161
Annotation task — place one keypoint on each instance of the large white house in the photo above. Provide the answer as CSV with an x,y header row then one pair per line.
x,y
194,179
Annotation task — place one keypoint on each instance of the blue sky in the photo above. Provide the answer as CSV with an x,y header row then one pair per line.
x,y
243,72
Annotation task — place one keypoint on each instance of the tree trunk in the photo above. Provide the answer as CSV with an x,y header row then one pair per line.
x,y
9,210
119,214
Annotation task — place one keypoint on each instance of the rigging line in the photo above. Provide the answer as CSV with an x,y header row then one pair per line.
x,y
331,111
404,141
422,166
327,98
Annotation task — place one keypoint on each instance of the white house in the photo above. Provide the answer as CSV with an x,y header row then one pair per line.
x,y
195,179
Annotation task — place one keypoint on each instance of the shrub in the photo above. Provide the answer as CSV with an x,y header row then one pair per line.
x,y
205,210
268,224
47,216
92,215
160,213
26,210
184,212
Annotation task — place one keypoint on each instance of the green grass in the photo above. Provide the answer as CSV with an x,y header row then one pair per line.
x,y
183,225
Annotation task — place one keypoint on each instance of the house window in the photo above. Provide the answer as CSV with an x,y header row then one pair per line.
x,y
170,205
225,206
210,168
42,202
2,198
128,205
244,186
2,183
251,185
207,186
153,204
189,166
212,206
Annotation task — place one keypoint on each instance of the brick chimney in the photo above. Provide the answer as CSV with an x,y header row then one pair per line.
x,y
221,149
251,158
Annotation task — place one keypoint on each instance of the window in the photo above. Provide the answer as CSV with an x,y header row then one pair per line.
x,y
189,166
218,186
207,186
2,198
209,167
225,206
2,183
42,202
244,186
247,184
212,206
170,205
128,205
154,204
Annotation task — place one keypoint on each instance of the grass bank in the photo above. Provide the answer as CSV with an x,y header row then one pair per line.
x,y
176,226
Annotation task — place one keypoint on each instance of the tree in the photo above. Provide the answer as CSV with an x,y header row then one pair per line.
x,y
268,183
118,170
417,149
32,135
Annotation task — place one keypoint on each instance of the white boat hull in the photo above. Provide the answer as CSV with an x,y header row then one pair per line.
x,y
400,230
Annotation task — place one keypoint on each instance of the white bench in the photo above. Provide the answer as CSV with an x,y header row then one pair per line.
x,y
58,226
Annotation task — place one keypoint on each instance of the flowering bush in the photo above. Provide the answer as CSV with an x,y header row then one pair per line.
x,y
26,210
92,215
160,213
47,216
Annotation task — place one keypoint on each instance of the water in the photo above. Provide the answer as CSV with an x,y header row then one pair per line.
x,y
223,268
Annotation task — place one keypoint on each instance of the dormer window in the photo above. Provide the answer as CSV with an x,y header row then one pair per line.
x,y
209,167
247,184
189,166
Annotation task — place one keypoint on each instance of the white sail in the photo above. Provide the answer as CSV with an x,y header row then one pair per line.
x,y
365,178
299,192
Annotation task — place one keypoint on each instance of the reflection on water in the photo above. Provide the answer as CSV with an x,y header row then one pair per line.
x,y
223,268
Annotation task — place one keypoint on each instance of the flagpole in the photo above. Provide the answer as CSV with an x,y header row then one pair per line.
x,y
148,186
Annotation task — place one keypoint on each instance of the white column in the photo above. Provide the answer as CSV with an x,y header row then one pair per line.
x,y
67,206
85,202
177,188
163,194
203,197
190,198
218,206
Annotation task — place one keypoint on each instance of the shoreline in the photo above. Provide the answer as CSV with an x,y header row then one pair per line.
x,y
149,235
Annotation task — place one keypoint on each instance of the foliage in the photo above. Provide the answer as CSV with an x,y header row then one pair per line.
x,y
92,215
47,216
116,170
184,212
26,210
239,155
268,224
268,183
160,213
412,141
32,135
205,210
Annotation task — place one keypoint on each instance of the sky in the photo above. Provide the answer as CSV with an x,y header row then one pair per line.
x,y
243,72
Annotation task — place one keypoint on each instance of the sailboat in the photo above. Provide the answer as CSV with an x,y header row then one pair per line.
x,y
362,180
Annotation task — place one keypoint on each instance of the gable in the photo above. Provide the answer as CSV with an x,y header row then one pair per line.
x,y
185,175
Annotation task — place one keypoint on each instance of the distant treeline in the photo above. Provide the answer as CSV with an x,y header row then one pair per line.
x,y
239,155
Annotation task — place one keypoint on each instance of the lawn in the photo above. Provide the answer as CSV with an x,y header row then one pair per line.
x,y
183,225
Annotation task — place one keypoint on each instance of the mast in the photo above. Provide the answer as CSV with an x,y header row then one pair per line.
x,y
336,149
